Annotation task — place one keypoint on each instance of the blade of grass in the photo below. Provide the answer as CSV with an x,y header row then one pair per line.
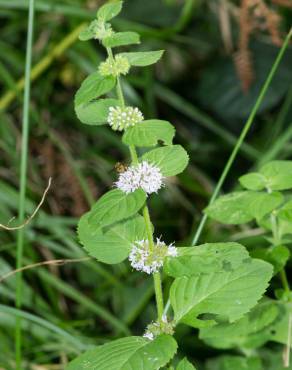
x,y
23,173
243,134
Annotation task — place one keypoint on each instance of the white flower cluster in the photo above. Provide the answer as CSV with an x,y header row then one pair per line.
x,y
144,175
121,118
157,328
150,260
114,67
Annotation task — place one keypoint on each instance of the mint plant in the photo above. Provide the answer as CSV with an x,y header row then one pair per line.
x,y
216,286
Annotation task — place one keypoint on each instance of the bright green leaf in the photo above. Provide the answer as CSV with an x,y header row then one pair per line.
x,y
185,365
278,175
149,132
253,181
121,39
227,294
171,160
109,10
132,353
93,87
143,58
95,112
116,205
206,258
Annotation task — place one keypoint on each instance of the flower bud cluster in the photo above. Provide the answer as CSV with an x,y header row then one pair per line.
x,y
114,66
120,118
100,30
142,176
150,260
157,328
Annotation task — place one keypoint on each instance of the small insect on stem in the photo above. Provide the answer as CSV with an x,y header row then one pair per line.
x,y
121,167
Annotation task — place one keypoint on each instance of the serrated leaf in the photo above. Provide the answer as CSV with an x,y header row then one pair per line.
x,y
206,258
93,87
149,132
185,365
234,363
143,58
227,294
247,332
132,353
121,39
243,206
109,10
115,206
114,245
95,112
278,175
253,181
171,160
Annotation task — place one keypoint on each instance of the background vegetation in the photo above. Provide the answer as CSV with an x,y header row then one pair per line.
x,y
218,54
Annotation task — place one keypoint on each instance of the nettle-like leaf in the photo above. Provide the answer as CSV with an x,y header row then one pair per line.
x,y
278,175
234,363
226,294
185,365
114,244
132,353
109,10
243,206
171,160
116,205
95,112
143,58
251,331
206,258
121,39
253,181
149,132
93,87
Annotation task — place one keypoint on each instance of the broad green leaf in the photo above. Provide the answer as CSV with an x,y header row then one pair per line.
x,y
206,258
132,353
285,212
114,245
121,39
226,294
116,205
109,10
243,206
171,160
185,365
253,181
86,34
149,132
95,112
247,332
278,175
235,363
143,58
93,87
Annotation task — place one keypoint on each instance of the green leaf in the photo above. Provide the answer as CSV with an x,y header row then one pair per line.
x,y
132,353
143,58
247,332
93,87
253,181
278,175
234,363
121,39
243,206
109,10
206,258
86,34
116,205
149,132
279,330
95,112
185,365
114,245
227,294
171,160
285,212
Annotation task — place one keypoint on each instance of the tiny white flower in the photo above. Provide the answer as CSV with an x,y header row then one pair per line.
x,y
120,118
148,335
145,176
